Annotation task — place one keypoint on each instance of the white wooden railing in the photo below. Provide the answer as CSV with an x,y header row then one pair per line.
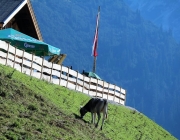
x,y
58,74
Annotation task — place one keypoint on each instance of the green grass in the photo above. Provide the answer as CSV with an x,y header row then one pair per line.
x,y
32,109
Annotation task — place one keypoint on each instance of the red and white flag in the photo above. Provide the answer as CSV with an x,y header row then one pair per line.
x,y
95,43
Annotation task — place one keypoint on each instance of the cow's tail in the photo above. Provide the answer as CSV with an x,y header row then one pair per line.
x,y
106,105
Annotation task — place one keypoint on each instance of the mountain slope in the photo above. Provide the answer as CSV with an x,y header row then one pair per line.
x,y
35,109
163,13
133,52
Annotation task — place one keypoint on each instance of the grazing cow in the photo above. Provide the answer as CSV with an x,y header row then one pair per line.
x,y
95,105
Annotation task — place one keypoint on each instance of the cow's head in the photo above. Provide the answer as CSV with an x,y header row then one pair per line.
x,y
83,111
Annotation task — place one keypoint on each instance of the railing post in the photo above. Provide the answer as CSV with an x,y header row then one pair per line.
x,y
125,98
31,64
22,62
108,92
114,92
89,84
42,66
120,96
14,58
96,86
103,90
51,71
7,54
60,74
83,85
67,77
76,80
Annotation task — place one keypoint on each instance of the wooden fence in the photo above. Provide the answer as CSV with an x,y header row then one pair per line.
x,y
58,74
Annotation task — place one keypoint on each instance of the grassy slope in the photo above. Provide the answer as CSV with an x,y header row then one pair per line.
x,y
34,109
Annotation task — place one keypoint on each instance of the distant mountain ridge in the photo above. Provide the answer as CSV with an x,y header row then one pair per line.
x,y
132,52
163,13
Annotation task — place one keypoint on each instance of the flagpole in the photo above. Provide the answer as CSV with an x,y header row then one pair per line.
x,y
96,42
94,65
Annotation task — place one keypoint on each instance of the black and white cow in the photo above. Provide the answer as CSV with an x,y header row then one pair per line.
x,y
95,105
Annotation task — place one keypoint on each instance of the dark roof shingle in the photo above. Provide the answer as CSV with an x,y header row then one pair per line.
x,y
7,7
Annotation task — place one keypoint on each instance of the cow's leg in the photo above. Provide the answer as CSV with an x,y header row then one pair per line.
x,y
99,117
93,120
104,114
92,117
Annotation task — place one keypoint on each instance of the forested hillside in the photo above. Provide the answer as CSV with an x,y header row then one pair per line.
x,y
163,13
133,53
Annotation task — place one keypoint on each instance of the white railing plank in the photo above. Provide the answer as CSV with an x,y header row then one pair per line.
x,y
122,102
110,91
79,88
122,96
116,100
10,56
71,86
80,83
85,91
46,77
73,80
92,93
86,79
80,76
26,71
3,45
100,89
64,69
38,60
106,85
11,49
99,94
36,74
18,60
118,89
3,54
27,56
100,82
19,52
27,63
110,97
72,73
2,61
17,67
92,87
63,83
55,81
111,86
36,67
56,67
93,80
123,91
117,93
9,63
55,73
105,96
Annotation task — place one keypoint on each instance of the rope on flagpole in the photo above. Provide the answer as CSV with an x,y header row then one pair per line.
x,y
95,44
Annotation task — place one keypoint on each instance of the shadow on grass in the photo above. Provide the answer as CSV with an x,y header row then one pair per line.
x,y
79,117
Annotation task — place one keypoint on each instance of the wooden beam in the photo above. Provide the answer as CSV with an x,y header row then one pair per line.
x,y
1,25
61,59
34,20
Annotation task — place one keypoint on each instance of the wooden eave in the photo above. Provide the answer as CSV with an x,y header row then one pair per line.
x,y
34,20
